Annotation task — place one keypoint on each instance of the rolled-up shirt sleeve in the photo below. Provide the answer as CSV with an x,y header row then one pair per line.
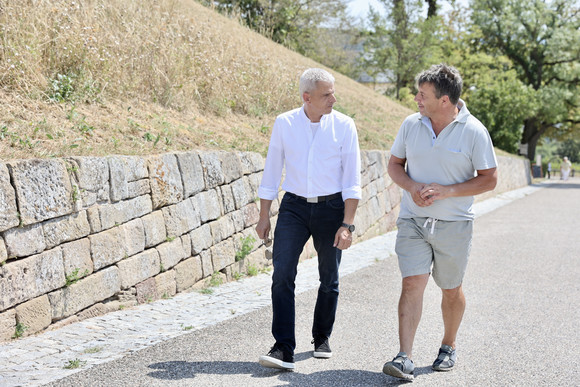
x,y
351,186
272,175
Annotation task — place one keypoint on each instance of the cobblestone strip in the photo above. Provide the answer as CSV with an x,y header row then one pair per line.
x,y
40,359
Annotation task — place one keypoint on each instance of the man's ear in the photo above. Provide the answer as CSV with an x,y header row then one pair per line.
x,y
306,97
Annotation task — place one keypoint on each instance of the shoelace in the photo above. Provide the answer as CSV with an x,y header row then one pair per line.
x,y
433,221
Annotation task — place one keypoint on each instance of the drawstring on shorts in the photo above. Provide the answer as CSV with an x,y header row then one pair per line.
x,y
433,221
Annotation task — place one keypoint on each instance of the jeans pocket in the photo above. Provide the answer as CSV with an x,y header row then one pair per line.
x,y
336,204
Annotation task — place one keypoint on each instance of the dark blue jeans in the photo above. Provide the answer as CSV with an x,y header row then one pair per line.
x,y
297,221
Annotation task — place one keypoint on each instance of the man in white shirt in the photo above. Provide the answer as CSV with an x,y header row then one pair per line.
x,y
441,157
319,149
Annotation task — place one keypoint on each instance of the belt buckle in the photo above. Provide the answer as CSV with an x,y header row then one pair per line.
x,y
312,200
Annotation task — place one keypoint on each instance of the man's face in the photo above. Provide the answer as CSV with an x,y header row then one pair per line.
x,y
427,102
321,99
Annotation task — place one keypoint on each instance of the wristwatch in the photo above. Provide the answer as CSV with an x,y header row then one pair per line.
x,y
350,227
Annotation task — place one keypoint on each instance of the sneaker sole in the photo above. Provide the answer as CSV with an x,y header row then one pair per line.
x,y
437,368
270,362
397,373
322,355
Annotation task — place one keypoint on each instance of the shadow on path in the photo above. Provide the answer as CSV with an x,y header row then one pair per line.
x,y
178,370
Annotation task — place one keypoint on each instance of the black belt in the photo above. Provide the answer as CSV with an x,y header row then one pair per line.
x,y
318,199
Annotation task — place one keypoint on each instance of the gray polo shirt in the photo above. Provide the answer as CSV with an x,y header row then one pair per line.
x,y
454,156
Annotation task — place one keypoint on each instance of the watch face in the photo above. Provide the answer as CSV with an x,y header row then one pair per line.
x,y
351,228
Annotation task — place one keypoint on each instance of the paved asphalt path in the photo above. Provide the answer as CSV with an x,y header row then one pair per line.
x,y
521,326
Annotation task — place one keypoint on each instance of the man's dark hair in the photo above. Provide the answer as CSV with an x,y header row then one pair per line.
x,y
446,80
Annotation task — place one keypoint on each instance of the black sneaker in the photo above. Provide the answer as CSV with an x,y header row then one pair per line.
x,y
277,358
321,348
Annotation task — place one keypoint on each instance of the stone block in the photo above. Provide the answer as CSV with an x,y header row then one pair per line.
x,y
212,169
66,228
107,247
251,214
231,166
242,192
186,244
77,258
138,268
207,204
118,213
181,218
88,291
251,162
254,180
138,188
43,189
165,284
237,219
228,202
92,175
118,178
134,235
187,273
93,311
24,241
191,172
206,263
31,277
136,168
146,291
170,253
201,238
7,324
222,229
165,180
35,314
8,209
154,227
223,254
395,193
3,252
94,218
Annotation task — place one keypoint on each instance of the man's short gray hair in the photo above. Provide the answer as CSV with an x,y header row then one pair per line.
x,y
311,77
446,80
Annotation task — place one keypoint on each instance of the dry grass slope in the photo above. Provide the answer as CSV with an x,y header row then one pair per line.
x,y
98,77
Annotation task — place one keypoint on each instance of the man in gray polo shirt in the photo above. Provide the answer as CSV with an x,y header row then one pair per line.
x,y
442,157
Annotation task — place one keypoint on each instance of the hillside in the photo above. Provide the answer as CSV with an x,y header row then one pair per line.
x,y
129,77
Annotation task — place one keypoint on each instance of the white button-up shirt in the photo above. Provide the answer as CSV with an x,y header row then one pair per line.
x,y
317,164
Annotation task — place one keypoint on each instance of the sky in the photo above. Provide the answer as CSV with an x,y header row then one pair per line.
x,y
360,8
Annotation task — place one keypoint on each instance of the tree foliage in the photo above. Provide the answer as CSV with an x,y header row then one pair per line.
x,y
540,37
318,29
400,44
571,149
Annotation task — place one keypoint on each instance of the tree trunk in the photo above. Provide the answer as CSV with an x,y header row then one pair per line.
x,y
533,130
432,11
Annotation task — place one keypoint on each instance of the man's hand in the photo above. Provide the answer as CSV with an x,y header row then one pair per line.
x,y
434,191
343,238
263,229
421,196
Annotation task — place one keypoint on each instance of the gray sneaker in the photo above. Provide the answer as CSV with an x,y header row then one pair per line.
x,y
446,359
401,367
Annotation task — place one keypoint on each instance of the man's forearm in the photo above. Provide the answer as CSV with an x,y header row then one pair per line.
x,y
350,206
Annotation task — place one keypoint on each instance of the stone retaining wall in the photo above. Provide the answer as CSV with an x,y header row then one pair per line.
x,y
84,236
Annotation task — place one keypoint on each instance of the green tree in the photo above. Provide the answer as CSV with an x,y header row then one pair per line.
x,y
495,95
318,29
571,149
400,44
541,38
